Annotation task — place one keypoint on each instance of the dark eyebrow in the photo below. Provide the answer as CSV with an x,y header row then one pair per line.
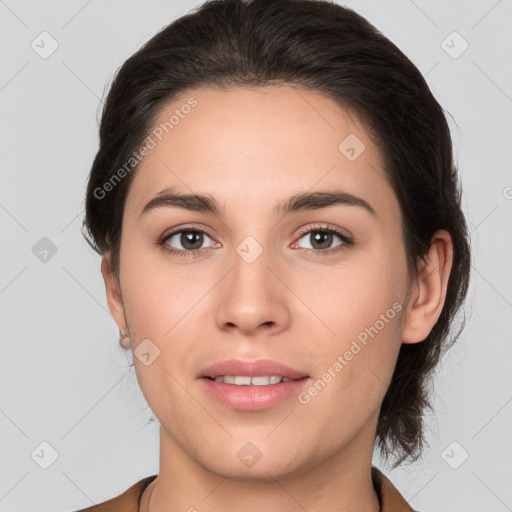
x,y
192,202
299,202
316,200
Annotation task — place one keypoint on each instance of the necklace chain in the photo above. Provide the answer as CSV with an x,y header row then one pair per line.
x,y
153,488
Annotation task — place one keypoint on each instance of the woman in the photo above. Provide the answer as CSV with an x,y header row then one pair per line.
x,y
283,249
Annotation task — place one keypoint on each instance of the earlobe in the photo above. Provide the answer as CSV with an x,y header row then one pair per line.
x,y
114,297
124,339
429,292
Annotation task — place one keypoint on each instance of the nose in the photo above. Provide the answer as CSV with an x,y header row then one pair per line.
x,y
252,297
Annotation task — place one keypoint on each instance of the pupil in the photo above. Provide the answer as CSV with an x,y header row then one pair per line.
x,y
189,238
328,237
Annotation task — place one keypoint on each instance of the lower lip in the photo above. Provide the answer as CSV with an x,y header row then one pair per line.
x,y
253,398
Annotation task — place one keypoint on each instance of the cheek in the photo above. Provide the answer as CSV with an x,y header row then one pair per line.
x,y
357,297
159,307
154,294
353,374
364,314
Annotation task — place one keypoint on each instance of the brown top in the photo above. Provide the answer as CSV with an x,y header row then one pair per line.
x,y
389,497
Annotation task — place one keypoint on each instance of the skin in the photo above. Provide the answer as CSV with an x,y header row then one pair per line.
x,y
251,148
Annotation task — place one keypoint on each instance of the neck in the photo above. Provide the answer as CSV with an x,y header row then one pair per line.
x,y
341,483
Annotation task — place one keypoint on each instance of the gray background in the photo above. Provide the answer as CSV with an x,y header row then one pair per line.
x,y
65,381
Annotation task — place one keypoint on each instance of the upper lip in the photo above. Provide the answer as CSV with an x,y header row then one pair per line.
x,y
257,368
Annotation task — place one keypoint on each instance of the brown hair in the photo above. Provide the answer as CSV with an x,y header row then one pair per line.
x,y
321,46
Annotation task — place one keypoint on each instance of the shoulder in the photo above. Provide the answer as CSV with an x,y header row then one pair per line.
x,y
128,501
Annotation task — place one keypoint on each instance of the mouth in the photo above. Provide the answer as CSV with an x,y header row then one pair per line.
x,y
252,385
236,371
246,380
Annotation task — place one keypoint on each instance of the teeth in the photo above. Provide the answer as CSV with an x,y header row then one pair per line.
x,y
242,380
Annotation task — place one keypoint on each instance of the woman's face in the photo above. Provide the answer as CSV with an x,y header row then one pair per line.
x,y
266,282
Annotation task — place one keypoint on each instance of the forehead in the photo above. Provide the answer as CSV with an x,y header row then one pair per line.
x,y
266,141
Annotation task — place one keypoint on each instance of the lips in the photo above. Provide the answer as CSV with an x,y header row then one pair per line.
x,y
262,367
252,385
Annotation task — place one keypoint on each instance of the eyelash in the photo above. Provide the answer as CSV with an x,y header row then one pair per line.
x,y
328,229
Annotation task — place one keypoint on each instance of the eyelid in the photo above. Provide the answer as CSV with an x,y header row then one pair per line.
x,y
325,227
192,228
302,231
186,227
347,240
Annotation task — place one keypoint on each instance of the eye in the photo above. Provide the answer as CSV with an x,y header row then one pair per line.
x,y
191,240
321,239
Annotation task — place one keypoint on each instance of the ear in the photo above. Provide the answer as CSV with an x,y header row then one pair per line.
x,y
114,297
429,290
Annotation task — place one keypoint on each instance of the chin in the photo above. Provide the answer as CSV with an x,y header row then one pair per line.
x,y
263,471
